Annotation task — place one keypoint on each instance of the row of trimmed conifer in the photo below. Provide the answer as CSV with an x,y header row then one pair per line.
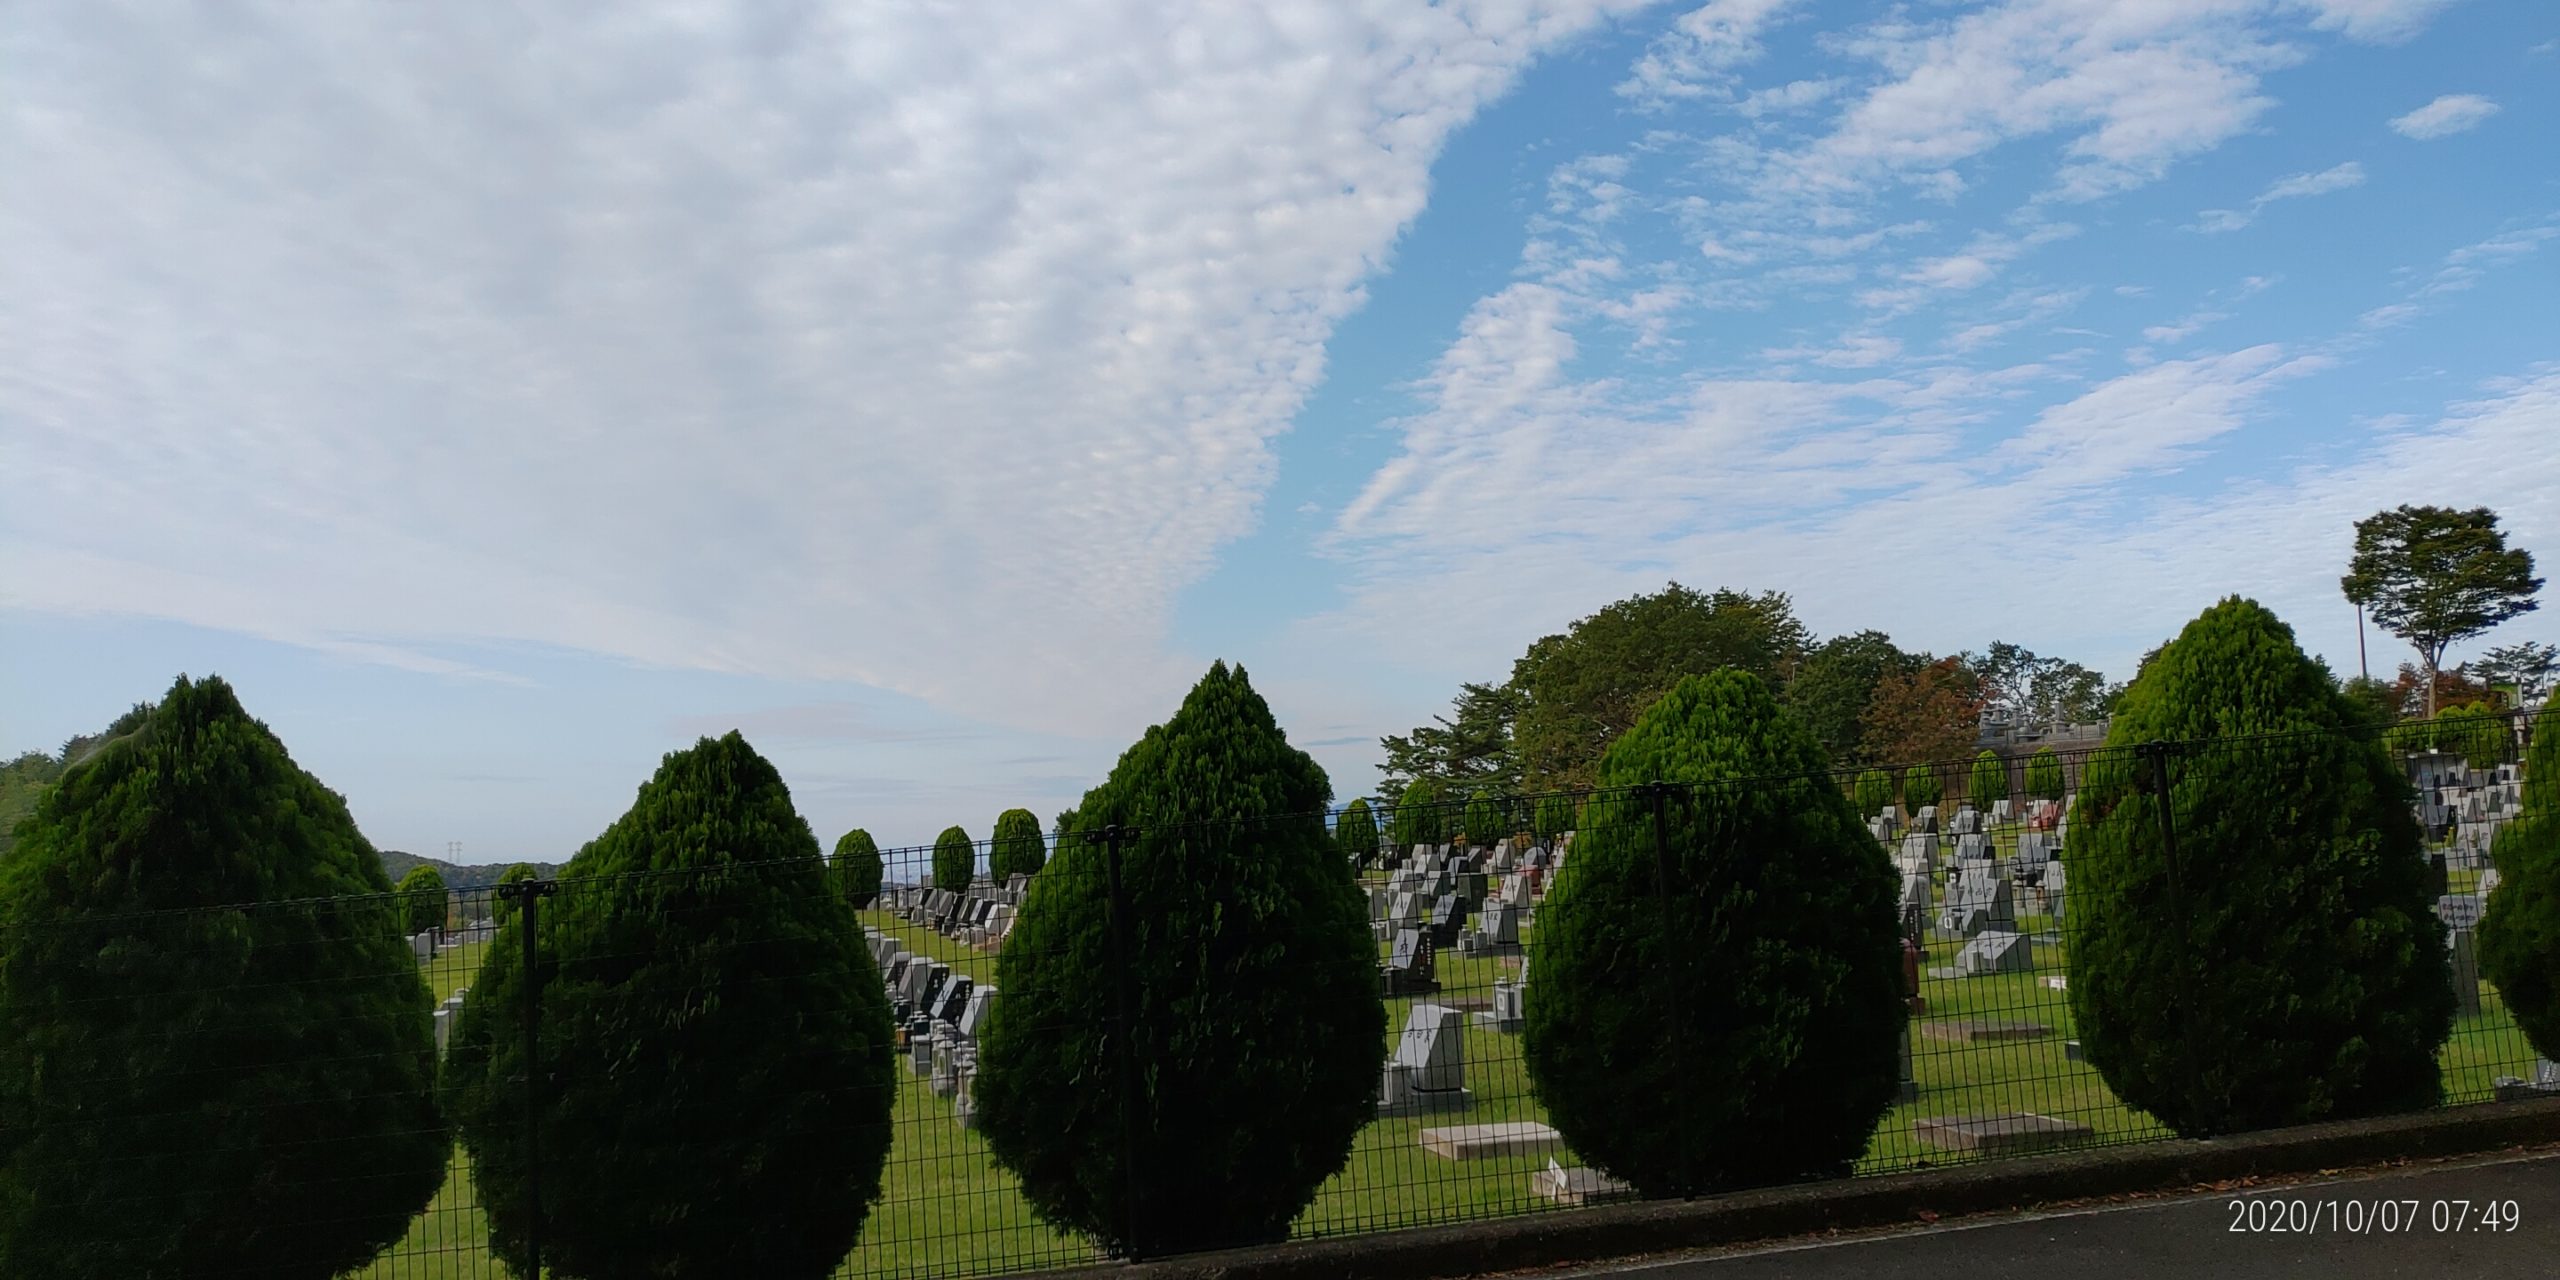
x,y
715,1048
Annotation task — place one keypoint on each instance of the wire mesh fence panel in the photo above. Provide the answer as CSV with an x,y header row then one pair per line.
x,y
947,1208
1070,1063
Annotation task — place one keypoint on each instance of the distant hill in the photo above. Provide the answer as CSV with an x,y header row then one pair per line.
x,y
473,876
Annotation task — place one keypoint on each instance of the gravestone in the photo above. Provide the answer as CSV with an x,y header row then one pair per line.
x,y
1428,1070
2053,887
1967,822
1991,951
1406,909
2003,812
2006,1133
1409,966
1921,847
1983,1030
2545,1083
1973,846
1892,820
1448,915
954,1000
1486,1141
2465,955
422,946
1578,1185
2461,911
1916,887
1926,820
921,978
1502,926
1882,831
897,973
1505,1015
973,1016
1976,900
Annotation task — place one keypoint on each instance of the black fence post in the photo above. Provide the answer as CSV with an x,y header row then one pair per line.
x,y
529,895
1113,836
2156,754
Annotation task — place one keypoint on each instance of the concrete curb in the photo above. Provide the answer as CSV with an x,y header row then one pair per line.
x,y
1603,1234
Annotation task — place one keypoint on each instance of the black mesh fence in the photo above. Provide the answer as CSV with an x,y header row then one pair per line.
x,y
228,1092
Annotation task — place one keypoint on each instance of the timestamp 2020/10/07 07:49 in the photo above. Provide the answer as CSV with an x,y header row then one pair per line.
x,y
2269,1215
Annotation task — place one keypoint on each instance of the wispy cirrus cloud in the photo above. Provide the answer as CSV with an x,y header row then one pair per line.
x,y
2450,114
2297,187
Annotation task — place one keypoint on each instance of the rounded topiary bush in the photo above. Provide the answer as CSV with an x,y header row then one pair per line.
x,y
715,1046
1554,815
422,898
955,859
1356,832
1017,847
857,869
1989,783
2520,934
1257,1023
1875,792
1748,1034
2297,973
2044,775
1920,788
217,1054
1419,816
2477,733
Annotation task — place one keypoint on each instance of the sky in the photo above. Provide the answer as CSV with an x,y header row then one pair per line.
x,y
502,400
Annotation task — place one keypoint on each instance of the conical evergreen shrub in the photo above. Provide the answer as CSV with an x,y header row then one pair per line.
x,y
1875,792
1989,782
1485,821
1256,1027
217,1055
715,1047
1017,846
955,859
2520,933
422,894
1554,815
2044,775
1420,817
2297,972
1747,1032
1920,788
856,869
1356,832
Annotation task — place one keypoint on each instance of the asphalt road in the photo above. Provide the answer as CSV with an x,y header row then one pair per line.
x,y
2356,1236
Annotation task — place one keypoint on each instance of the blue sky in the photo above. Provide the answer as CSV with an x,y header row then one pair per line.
x,y
501,401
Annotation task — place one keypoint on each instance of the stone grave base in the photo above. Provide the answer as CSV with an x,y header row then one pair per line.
x,y
1977,1031
1578,1185
1482,1141
2071,1051
1507,1026
2009,1133
1423,1102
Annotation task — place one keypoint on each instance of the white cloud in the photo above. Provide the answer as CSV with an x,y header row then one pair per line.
x,y
1795,95
2378,21
930,349
2182,328
2450,114
1696,58
2299,186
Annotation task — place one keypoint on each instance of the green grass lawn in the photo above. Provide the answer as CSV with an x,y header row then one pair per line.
x,y
946,1210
